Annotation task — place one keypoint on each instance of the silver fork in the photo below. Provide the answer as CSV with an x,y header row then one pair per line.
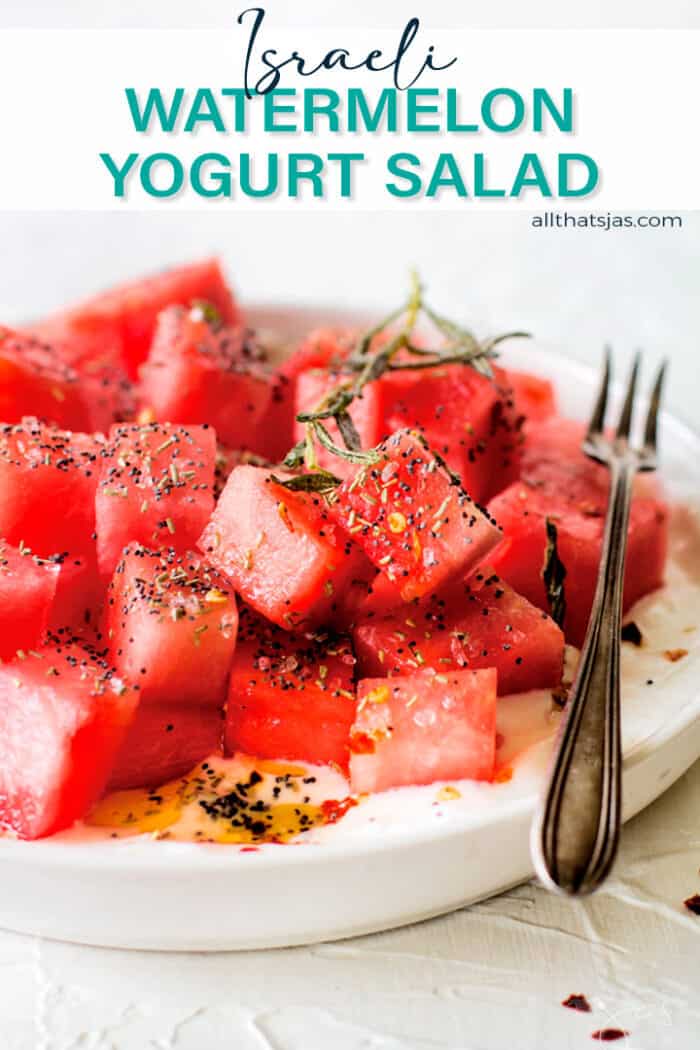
x,y
576,829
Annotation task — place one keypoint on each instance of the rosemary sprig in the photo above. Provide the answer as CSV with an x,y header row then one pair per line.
x,y
365,365
554,574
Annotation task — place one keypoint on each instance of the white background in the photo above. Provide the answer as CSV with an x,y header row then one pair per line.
x,y
492,977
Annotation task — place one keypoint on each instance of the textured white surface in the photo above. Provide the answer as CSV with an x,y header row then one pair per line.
x,y
485,979
488,978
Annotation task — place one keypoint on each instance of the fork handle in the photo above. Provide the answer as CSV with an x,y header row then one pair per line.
x,y
576,829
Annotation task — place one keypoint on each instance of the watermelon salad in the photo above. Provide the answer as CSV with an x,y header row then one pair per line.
x,y
351,558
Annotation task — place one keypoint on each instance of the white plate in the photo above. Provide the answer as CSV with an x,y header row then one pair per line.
x,y
397,859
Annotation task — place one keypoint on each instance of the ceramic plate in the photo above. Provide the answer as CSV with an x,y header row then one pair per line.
x,y
404,855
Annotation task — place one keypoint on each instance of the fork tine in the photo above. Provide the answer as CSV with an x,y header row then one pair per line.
x,y
653,413
623,427
598,418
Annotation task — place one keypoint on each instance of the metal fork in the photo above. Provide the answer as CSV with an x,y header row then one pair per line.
x,y
576,829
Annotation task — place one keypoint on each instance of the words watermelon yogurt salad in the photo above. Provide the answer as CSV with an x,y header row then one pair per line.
x,y
240,597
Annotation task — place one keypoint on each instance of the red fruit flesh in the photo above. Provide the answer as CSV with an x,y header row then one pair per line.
x,y
165,741
63,716
476,624
155,488
198,371
171,623
291,696
412,520
421,728
281,550
27,589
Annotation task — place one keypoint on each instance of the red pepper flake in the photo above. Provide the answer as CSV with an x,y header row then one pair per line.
x,y
249,849
693,904
609,1035
674,655
577,1002
362,744
334,809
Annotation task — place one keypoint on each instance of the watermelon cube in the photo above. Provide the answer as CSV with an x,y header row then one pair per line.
x,y
27,589
534,397
63,716
129,311
171,623
198,371
478,623
35,380
365,412
155,487
560,483
79,595
416,729
291,696
47,487
283,552
469,419
165,741
412,518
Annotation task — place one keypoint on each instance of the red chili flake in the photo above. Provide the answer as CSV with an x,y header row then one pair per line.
x,y
609,1035
362,744
249,849
693,904
333,809
578,1002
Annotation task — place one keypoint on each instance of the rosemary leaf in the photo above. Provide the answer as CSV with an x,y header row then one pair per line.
x,y
324,438
318,481
348,431
554,574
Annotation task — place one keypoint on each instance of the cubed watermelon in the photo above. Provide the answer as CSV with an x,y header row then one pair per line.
x,y
63,716
36,381
291,695
171,623
27,590
534,397
165,741
365,412
80,593
47,487
412,518
155,487
479,623
416,729
130,310
95,358
199,371
469,419
560,483
282,550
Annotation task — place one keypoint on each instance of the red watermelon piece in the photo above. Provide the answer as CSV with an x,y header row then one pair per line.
x,y
171,622
129,311
165,741
199,371
560,483
291,695
534,397
79,595
63,716
283,552
467,418
479,623
27,589
412,519
47,487
36,381
155,487
416,729
366,413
